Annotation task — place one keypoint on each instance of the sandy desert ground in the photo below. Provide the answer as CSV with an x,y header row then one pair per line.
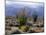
x,y
12,26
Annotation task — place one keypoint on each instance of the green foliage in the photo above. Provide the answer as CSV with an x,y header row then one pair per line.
x,y
22,20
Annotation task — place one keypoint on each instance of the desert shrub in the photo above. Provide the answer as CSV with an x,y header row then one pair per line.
x,y
24,28
22,20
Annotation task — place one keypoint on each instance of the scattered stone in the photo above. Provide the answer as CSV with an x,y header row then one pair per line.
x,y
16,32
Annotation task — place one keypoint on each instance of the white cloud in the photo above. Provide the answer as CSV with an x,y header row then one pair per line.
x,y
23,3
29,0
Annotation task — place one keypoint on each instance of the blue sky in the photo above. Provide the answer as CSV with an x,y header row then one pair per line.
x,y
12,7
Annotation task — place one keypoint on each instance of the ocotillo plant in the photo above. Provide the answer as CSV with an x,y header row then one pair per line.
x,y
22,18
